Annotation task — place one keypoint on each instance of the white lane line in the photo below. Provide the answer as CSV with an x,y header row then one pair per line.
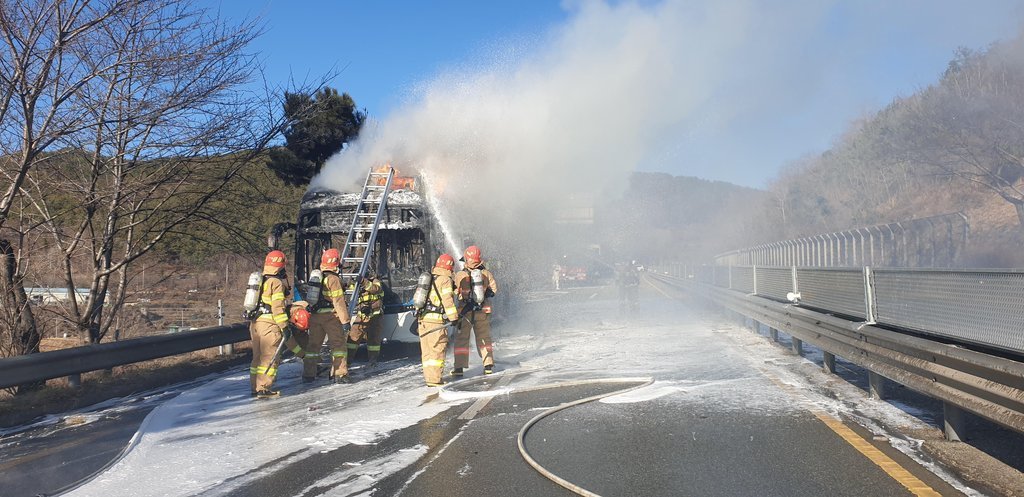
x,y
481,403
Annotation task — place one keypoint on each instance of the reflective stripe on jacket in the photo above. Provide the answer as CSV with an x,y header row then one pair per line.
x,y
273,296
334,292
442,296
373,292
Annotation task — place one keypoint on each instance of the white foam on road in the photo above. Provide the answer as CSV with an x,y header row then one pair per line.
x,y
361,479
650,392
216,438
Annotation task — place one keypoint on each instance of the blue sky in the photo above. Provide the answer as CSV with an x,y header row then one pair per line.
x,y
384,47
826,63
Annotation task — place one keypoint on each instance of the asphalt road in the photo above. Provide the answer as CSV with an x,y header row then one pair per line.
x,y
715,423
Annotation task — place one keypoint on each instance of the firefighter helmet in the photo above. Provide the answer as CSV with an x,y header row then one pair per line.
x,y
445,261
274,262
330,260
300,318
472,254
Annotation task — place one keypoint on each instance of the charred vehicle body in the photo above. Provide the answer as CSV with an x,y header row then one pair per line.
x,y
403,248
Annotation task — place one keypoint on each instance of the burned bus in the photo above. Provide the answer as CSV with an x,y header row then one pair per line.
x,y
404,245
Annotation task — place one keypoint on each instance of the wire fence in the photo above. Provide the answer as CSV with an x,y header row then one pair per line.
x,y
937,241
983,307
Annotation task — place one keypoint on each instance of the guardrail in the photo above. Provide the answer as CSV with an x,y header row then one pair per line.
x,y
973,306
74,361
963,379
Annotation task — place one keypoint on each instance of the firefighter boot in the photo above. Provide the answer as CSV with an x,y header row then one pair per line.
x,y
267,394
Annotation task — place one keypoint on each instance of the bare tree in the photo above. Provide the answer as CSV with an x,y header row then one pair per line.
x,y
40,83
171,125
971,125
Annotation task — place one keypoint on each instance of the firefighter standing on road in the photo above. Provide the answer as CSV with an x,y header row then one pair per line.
x,y
366,325
477,303
440,310
267,330
330,320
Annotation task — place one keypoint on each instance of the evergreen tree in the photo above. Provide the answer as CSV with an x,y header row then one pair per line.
x,y
321,124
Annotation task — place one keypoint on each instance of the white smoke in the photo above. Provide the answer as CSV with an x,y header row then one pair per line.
x,y
616,87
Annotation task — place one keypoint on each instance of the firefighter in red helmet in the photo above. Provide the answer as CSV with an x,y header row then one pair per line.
x,y
440,310
267,329
476,285
330,320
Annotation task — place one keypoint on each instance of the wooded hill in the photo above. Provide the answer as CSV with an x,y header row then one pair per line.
x,y
957,145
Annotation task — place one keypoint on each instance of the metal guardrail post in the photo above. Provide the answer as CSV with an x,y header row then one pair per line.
x,y
226,349
829,362
796,286
870,305
753,270
876,385
75,380
954,424
730,276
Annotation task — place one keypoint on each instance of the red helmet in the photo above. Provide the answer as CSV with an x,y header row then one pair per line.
x,y
472,254
330,260
445,261
274,262
300,318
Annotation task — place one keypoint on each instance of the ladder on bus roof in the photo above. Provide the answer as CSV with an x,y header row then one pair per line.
x,y
362,233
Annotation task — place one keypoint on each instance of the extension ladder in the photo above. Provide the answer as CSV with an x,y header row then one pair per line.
x,y
363,231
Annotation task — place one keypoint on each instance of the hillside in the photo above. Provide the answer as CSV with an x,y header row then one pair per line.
x,y
957,145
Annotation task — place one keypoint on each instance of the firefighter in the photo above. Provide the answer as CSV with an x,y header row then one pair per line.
x,y
267,329
330,320
477,312
439,312
366,324
629,285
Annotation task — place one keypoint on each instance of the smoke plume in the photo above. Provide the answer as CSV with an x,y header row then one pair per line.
x,y
618,86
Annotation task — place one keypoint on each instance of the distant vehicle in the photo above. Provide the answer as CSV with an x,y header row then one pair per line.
x,y
576,274
404,248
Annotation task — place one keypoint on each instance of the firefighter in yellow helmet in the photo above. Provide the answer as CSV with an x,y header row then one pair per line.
x,y
439,311
476,286
331,320
267,330
366,324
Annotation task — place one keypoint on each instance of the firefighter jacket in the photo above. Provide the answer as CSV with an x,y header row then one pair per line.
x,y
371,299
332,297
272,301
464,282
441,299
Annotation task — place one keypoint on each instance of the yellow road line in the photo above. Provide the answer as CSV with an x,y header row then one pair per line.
x,y
652,285
891,467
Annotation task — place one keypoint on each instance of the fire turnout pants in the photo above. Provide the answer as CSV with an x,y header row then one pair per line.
x,y
478,323
432,349
266,336
325,324
369,331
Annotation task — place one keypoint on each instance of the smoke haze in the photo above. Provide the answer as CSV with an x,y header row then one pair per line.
x,y
629,85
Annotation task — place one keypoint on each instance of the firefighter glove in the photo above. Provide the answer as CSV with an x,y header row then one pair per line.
x,y
346,327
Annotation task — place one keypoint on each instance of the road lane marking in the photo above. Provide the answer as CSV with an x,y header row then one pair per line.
x,y
879,458
652,285
481,403
887,464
